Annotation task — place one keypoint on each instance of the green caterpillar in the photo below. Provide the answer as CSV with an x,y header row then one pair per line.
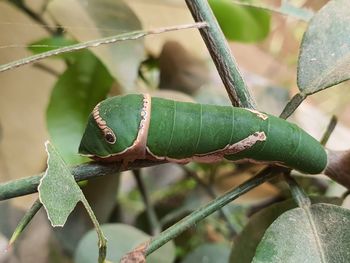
x,y
134,127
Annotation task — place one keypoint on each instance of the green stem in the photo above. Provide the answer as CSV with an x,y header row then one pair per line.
x,y
25,221
192,219
221,54
298,193
29,185
292,105
210,191
102,241
330,128
151,214
94,43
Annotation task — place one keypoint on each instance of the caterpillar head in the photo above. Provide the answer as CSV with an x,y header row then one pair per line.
x,y
113,127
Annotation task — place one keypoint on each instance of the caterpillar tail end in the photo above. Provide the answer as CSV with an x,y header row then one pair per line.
x,y
338,167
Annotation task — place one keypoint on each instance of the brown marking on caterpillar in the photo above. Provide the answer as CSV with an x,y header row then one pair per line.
x,y
259,114
217,155
107,132
138,149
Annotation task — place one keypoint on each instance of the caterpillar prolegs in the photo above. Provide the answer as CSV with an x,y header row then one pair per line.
x,y
137,126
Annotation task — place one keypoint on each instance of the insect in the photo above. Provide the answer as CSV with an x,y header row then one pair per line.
x,y
136,126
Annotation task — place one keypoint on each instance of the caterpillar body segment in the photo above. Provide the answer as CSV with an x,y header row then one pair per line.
x,y
140,127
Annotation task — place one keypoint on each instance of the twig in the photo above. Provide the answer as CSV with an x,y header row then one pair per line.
x,y
298,194
97,42
330,128
221,54
201,213
81,172
151,214
47,69
36,17
210,191
292,105
102,241
25,221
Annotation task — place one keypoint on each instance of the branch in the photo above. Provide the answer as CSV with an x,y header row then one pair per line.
x,y
221,54
225,213
292,105
201,213
151,213
81,172
36,17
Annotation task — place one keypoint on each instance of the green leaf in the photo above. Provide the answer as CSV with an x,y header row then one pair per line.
x,y
76,92
244,245
121,240
316,234
58,191
93,19
324,58
218,253
241,23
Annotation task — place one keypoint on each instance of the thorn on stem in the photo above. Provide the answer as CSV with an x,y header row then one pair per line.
x,y
137,255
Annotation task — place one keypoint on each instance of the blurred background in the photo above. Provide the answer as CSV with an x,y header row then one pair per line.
x,y
36,105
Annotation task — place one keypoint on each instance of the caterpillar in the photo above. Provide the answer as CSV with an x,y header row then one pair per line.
x,y
138,126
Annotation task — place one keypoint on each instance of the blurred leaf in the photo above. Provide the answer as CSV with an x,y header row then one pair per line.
x,y
58,191
245,244
180,70
241,23
101,194
319,235
218,253
77,91
324,58
121,240
51,43
92,19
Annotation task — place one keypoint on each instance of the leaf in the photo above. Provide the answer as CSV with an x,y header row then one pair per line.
x,y
93,19
241,23
318,234
58,191
180,70
121,240
218,253
244,245
324,58
76,92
